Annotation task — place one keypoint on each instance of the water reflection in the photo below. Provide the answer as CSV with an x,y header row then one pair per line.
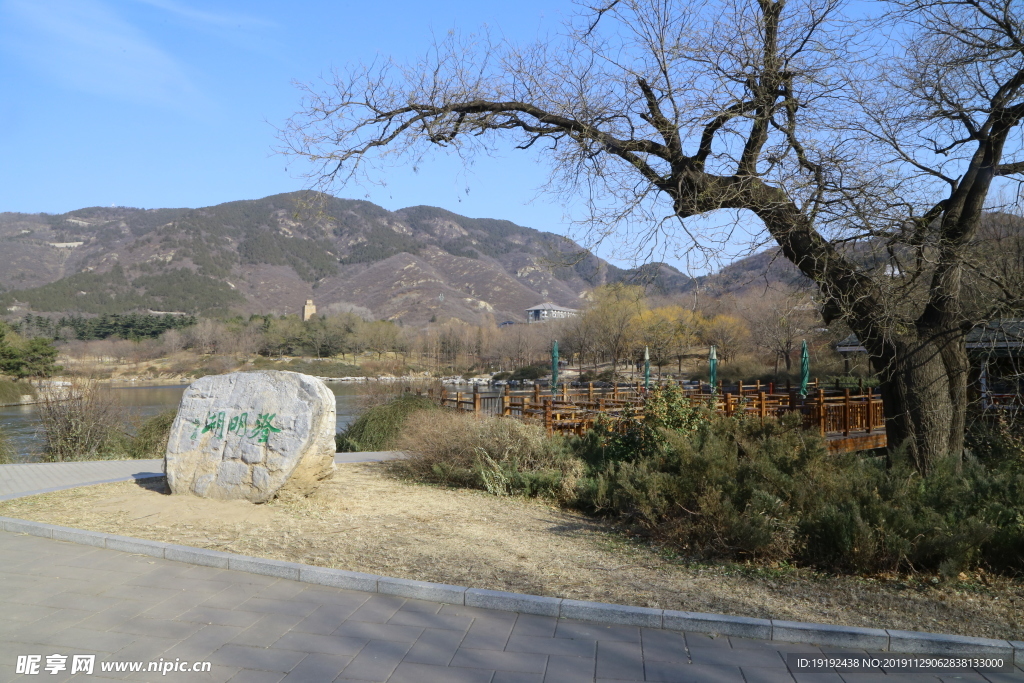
x,y
21,423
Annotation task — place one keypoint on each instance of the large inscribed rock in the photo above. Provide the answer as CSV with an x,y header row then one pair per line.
x,y
252,435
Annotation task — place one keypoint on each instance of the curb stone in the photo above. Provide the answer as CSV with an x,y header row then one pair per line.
x,y
694,622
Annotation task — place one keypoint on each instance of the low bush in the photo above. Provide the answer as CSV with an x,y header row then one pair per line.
x,y
11,392
6,448
82,422
150,439
379,426
500,455
529,372
742,489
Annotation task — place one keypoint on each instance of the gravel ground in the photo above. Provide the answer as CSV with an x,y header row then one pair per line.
x,y
365,520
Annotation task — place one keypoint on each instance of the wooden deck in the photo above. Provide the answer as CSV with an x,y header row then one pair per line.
x,y
848,421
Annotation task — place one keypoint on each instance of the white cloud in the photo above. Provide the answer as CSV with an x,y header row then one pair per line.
x,y
208,18
88,47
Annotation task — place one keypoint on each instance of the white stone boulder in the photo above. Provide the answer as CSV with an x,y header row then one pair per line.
x,y
252,436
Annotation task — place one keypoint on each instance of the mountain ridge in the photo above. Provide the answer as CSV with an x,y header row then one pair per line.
x,y
269,255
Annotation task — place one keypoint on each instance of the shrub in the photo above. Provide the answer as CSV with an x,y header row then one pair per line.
x,y
530,372
501,455
742,489
81,422
11,392
150,440
6,448
378,427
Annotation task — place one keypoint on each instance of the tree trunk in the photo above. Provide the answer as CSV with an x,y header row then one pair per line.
x,y
925,403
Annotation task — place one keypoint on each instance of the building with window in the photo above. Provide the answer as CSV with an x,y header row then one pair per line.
x,y
548,311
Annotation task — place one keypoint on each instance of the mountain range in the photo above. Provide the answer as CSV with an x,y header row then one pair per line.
x,y
270,255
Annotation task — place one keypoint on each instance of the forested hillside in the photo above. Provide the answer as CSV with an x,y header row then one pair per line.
x,y
270,255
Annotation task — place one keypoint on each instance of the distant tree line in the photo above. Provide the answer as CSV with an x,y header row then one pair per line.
x,y
21,358
133,326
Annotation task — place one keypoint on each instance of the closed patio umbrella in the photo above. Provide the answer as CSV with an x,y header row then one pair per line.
x,y
805,369
713,368
554,367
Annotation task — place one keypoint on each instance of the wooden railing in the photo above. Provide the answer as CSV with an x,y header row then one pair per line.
x,y
849,421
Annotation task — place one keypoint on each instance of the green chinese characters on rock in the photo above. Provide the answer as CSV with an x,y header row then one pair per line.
x,y
237,425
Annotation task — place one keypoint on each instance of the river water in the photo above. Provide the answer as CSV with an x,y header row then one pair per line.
x,y
21,423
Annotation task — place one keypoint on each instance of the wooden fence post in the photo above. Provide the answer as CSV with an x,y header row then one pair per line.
x,y
506,406
821,410
476,402
548,424
590,392
536,392
763,408
846,412
871,412
458,400
728,404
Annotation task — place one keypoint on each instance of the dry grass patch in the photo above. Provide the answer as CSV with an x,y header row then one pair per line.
x,y
365,520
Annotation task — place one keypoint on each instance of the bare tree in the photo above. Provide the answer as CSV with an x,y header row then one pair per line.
x,y
870,170
777,319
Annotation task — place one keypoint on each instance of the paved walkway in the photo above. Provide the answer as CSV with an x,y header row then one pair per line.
x,y
26,479
65,599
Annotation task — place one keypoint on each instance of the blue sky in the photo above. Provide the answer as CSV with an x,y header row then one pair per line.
x,y
169,103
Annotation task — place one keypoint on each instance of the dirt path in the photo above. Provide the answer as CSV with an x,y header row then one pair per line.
x,y
366,521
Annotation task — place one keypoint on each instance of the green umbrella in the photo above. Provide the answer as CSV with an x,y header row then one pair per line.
x,y
805,369
713,368
647,369
554,367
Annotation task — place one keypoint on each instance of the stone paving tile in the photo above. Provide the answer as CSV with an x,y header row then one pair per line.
x,y
722,657
420,606
318,668
325,620
410,672
231,597
267,606
565,647
376,661
570,628
569,670
450,622
666,646
157,627
222,617
285,589
391,632
312,643
253,676
257,658
620,659
488,634
701,640
378,609
435,647
760,675
500,661
671,672
516,677
535,625
267,630
203,642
